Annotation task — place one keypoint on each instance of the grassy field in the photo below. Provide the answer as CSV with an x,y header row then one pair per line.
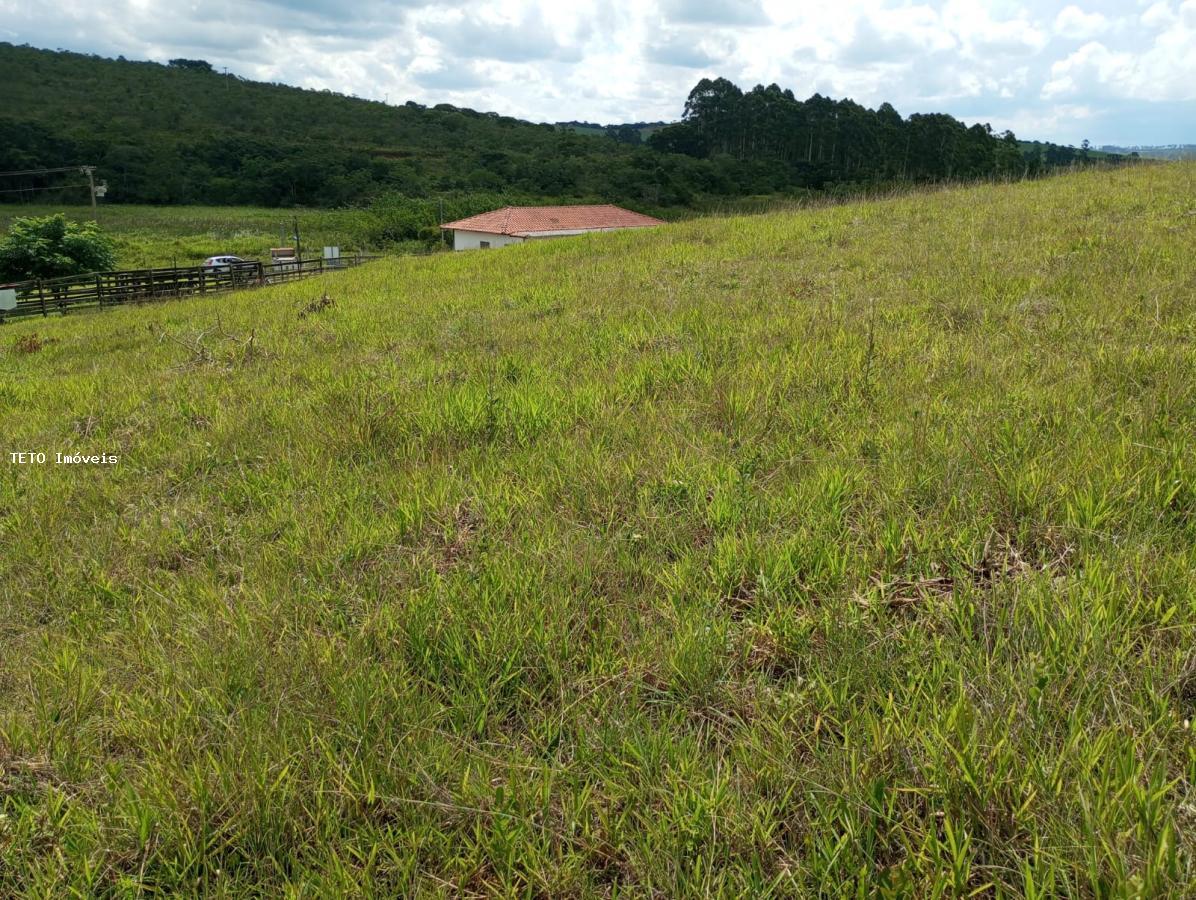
x,y
185,235
848,551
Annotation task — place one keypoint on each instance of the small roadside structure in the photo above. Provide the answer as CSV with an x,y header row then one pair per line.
x,y
516,224
283,259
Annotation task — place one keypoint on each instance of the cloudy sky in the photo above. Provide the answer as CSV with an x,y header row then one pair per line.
x,y
1113,71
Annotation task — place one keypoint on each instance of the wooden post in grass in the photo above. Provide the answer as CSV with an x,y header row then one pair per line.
x,y
41,295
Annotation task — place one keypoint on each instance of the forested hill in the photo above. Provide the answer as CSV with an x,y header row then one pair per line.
x,y
822,141
185,133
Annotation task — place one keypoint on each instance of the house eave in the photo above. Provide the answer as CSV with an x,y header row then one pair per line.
x,y
476,230
571,231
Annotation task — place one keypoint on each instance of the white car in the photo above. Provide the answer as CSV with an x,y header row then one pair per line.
x,y
221,263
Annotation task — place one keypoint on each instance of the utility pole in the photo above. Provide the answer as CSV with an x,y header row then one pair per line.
x,y
91,182
86,170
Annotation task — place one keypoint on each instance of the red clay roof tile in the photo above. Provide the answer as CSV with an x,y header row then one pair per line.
x,y
520,221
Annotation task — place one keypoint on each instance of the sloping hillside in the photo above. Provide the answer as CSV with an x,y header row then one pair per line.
x,y
175,134
184,133
838,551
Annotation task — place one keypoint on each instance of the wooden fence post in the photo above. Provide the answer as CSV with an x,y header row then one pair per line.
x,y
114,288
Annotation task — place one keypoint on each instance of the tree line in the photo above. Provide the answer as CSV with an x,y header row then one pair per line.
x,y
184,133
820,141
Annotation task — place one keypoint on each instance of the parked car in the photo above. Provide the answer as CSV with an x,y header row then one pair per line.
x,y
221,263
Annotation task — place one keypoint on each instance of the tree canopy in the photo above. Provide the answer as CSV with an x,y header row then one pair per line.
x,y
820,141
183,133
50,247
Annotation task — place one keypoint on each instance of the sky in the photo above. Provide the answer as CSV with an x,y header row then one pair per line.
x,y
1111,71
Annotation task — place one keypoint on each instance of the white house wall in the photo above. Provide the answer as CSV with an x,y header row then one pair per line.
x,y
472,240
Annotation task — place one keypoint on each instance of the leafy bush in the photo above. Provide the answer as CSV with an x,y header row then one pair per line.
x,y
50,246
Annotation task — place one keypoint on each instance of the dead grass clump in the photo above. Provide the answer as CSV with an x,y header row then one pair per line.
x,y
465,522
1035,308
27,776
1002,560
763,651
213,346
86,426
1183,688
32,343
740,600
320,304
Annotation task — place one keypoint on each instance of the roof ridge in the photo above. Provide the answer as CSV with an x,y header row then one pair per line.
x,y
573,217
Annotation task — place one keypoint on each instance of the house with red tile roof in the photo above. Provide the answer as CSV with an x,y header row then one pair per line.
x,y
516,224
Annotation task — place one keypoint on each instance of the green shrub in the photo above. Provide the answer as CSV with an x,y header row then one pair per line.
x,y
50,246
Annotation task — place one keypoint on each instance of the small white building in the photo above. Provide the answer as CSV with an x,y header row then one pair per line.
x,y
516,224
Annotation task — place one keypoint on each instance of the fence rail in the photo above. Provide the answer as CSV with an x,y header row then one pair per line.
x,y
50,295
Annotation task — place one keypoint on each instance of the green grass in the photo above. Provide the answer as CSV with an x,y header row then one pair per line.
x,y
148,236
847,551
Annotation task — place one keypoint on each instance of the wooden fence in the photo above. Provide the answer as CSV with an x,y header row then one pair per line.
x,y
50,295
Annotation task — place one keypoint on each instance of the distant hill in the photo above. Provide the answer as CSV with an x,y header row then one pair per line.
x,y
1166,151
627,132
183,133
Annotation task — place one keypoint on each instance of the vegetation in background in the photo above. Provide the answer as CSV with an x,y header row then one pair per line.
x,y
823,142
50,246
838,552
626,133
182,134
145,236
1172,151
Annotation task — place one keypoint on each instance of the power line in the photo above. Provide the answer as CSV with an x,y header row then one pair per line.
x,y
53,187
89,171
46,171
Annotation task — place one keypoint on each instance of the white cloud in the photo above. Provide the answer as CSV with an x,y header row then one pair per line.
x,y
1158,15
1163,70
1073,22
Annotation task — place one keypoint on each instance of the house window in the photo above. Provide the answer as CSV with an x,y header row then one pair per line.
x,y
485,245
